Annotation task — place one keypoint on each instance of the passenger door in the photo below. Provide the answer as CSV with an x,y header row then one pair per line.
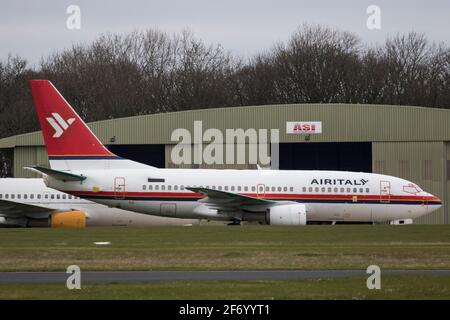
x,y
425,203
385,191
119,188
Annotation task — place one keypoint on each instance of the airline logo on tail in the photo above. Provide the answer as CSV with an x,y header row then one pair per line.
x,y
59,124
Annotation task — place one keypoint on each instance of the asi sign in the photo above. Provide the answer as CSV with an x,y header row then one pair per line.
x,y
304,127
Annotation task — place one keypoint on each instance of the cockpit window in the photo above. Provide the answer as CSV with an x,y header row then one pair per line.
x,y
411,188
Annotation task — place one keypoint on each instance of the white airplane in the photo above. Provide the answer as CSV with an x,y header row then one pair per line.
x,y
29,203
82,166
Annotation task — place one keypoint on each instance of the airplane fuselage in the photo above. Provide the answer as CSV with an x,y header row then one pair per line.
x,y
327,195
33,192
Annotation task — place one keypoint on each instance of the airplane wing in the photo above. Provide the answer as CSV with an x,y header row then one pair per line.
x,y
228,201
15,209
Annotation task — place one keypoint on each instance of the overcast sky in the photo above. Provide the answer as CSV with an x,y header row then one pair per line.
x,y
34,29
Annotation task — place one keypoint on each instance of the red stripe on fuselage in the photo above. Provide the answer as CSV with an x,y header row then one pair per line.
x,y
283,196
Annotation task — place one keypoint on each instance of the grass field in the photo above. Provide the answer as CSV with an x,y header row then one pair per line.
x,y
222,247
234,248
399,287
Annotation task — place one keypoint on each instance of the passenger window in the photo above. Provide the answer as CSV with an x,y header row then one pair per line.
x,y
150,187
323,189
144,187
329,189
25,196
175,187
156,187
181,187
291,189
163,187
6,196
1,195
220,188
355,190
38,196
58,196
169,187
70,196
316,189
304,189
361,190
19,196
52,196
239,188
226,188
253,188
232,188
310,189
285,189
336,189
273,189
12,196
367,190
342,190
349,190
245,188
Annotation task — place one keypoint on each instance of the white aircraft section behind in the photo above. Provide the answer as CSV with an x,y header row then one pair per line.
x,y
82,166
29,203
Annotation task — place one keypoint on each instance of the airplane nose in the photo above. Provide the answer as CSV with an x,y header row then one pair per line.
x,y
436,201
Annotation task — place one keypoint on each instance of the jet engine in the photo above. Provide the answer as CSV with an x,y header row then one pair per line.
x,y
68,219
288,214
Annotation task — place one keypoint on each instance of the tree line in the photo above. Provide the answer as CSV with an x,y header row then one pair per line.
x,y
153,71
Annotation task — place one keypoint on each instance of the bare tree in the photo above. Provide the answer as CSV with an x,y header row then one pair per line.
x,y
153,71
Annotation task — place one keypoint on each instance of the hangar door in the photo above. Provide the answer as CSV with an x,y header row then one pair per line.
x,y
151,154
343,156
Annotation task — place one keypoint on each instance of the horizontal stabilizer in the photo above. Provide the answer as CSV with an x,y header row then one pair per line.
x,y
56,174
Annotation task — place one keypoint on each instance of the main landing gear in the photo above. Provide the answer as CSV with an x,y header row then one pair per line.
x,y
235,222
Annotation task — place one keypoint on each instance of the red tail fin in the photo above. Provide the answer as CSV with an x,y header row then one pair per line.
x,y
65,134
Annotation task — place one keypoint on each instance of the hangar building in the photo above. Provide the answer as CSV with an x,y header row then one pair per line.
x,y
408,142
